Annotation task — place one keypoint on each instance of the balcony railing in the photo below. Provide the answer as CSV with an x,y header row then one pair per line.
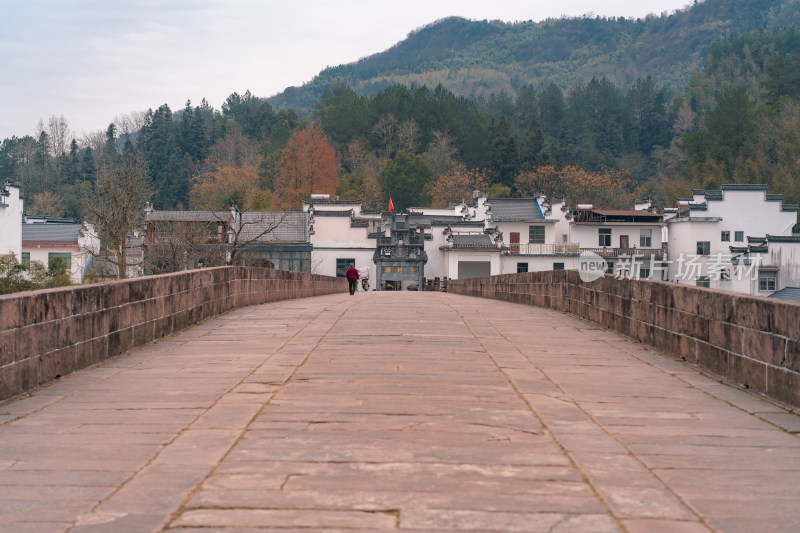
x,y
575,249
627,252
544,249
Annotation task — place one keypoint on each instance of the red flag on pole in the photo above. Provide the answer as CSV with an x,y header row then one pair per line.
x,y
391,205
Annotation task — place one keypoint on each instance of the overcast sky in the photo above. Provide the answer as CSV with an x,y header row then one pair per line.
x,y
93,60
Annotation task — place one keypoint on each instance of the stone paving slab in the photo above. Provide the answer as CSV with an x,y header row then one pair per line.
x,y
418,412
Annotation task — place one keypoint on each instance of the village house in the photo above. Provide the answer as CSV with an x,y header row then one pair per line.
x,y
531,239
45,239
11,207
718,239
180,240
629,240
340,233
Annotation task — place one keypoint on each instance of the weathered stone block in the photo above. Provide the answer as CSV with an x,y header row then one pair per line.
x,y
18,378
687,348
644,332
747,373
667,341
753,313
10,316
712,358
694,326
686,299
120,341
57,364
83,354
34,340
716,305
783,385
725,335
143,334
87,299
763,347
786,319
662,294
117,293
793,355
8,343
101,322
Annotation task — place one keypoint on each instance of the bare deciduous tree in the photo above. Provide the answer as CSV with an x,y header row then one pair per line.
x,y
116,206
47,203
386,130
130,123
441,153
252,227
175,245
407,136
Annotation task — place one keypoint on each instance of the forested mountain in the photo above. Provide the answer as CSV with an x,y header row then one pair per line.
x,y
478,58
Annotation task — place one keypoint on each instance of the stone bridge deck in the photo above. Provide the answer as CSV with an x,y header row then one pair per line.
x,y
396,411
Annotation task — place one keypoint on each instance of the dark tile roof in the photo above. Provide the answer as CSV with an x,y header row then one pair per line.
x,y
744,187
281,226
791,294
710,194
337,213
790,207
51,234
625,213
514,210
308,201
472,240
774,197
434,220
783,238
187,216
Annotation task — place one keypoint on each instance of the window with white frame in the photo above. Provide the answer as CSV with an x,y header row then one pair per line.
x,y
558,266
65,258
536,234
522,267
725,236
645,238
604,236
738,236
703,248
767,280
703,281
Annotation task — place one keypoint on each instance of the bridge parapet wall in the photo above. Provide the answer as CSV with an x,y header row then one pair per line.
x,y
750,341
51,333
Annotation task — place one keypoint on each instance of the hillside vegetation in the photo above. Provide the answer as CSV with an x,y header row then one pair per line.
x,y
479,58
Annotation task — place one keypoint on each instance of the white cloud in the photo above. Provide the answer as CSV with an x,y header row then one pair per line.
x,y
91,60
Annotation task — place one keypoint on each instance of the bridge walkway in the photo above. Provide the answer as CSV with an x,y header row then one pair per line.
x,y
420,412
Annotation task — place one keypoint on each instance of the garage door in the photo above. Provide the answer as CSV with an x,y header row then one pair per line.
x,y
473,269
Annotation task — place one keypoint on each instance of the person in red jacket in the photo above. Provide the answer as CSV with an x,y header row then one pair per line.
x,y
352,278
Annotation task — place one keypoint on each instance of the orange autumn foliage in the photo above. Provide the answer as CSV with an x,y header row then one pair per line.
x,y
223,187
457,184
610,189
306,166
